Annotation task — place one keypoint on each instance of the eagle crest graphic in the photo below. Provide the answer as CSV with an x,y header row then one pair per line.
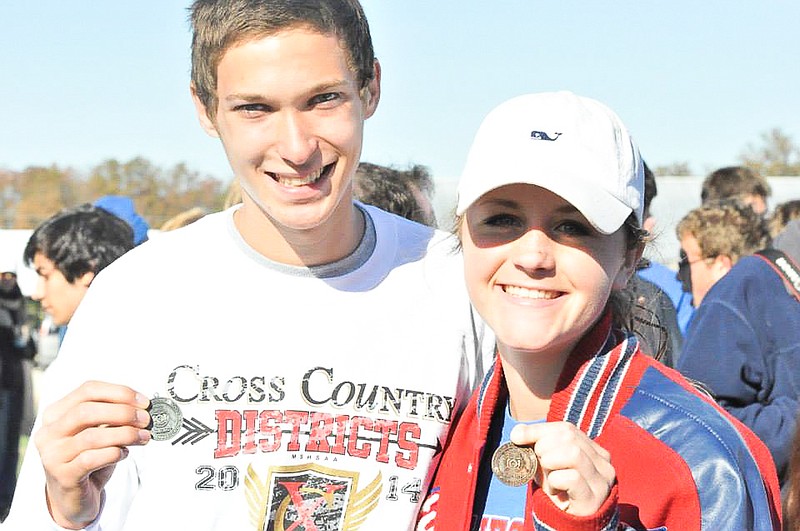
x,y
309,497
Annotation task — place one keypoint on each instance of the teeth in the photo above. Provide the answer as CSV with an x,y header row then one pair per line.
x,y
526,293
298,181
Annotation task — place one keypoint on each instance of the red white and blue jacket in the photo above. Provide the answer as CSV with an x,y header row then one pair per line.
x,y
682,462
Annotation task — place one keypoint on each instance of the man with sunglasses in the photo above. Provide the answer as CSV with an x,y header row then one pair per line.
x,y
744,339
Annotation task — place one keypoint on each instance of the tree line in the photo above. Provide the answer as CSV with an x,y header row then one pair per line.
x,y
776,155
30,196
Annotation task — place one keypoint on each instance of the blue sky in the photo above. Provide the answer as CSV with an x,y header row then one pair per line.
x,y
694,81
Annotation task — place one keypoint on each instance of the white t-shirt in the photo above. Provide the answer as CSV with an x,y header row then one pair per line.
x,y
317,398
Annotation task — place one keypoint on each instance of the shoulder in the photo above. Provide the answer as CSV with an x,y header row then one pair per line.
x,y
750,283
183,256
722,455
724,459
407,241
201,239
749,269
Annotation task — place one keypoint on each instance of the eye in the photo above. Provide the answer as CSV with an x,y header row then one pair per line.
x,y
251,109
501,221
326,99
574,228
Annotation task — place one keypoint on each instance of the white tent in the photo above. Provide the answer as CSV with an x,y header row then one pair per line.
x,y
12,245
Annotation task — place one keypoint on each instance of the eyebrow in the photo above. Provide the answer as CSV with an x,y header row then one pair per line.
x,y
316,89
567,208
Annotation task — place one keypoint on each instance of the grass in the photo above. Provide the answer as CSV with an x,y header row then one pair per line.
x,y
23,443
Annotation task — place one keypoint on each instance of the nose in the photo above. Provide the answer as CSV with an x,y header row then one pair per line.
x,y
38,292
296,140
533,252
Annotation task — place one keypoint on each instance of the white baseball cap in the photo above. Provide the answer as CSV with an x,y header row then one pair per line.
x,y
576,147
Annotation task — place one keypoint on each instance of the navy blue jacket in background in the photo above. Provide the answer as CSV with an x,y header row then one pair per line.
x,y
744,343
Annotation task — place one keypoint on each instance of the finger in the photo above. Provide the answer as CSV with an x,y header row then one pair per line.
x,y
87,415
94,391
585,494
575,451
570,481
529,434
73,458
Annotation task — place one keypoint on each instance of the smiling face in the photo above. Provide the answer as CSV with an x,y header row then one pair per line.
x,y
536,270
290,116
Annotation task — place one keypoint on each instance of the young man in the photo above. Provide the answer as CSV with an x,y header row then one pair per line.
x,y
312,384
713,238
744,340
68,250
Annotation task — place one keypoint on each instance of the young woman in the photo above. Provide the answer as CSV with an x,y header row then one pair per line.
x,y
550,210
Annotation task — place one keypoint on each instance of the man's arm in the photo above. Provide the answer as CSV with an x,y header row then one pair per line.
x,y
79,440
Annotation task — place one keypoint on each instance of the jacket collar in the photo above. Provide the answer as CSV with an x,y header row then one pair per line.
x,y
588,386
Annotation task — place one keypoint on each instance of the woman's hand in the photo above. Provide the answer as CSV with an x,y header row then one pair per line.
x,y
574,471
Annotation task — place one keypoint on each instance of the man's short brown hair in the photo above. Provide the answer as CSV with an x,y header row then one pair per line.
x,y
734,182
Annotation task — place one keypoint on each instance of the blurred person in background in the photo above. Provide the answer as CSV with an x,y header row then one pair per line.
x,y
68,250
713,238
181,219
15,346
659,296
744,340
739,183
659,274
123,207
782,215
407,193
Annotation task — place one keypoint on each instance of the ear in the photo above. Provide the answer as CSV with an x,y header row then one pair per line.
x,y
722,264
649,224
85,279
372,92
632,257
202,114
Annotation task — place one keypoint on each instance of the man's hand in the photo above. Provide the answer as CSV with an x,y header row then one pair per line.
x,y
82,438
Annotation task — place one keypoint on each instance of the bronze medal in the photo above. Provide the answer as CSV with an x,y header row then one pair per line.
x,y
165,418
514,465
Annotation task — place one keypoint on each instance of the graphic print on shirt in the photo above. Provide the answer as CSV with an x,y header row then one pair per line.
x,y
315,484
310,497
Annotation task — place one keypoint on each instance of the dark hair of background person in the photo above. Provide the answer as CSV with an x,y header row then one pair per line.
x,y
79,240
653,317
650,189
406,193
781,215
734,182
